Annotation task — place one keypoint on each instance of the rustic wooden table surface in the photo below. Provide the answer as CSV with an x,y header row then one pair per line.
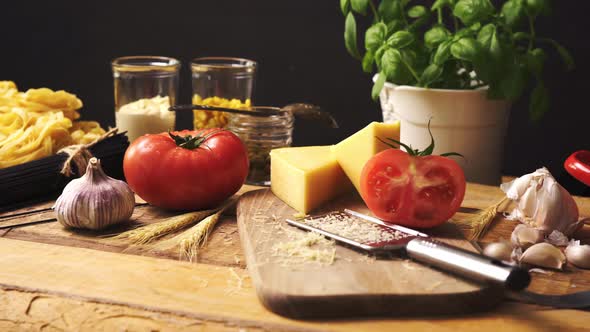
x,y
54,279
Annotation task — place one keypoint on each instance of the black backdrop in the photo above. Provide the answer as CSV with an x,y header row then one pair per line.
x,y
299,46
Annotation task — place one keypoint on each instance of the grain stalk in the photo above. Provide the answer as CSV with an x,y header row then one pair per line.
x,y
478,224
194,238
149,233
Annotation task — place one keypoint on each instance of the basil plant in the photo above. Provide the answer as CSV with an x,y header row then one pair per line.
x,y
455,44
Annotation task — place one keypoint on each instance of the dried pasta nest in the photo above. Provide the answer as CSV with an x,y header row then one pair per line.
x,y
39,122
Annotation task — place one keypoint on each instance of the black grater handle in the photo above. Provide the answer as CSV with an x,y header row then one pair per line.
x,y
467,264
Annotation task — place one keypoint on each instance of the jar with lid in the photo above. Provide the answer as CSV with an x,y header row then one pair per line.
x,y
261,134
145,87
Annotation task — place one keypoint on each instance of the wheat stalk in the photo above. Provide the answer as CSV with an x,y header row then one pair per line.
x,y
191,240
146,234
478,224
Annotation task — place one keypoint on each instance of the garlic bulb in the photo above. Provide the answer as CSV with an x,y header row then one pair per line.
x,y
525,236
94,200
542,203
498,250
543,255
578,254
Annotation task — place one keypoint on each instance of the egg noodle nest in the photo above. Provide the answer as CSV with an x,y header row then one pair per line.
x,y
39,122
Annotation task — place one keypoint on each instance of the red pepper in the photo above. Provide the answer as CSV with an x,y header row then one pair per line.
x,y
578,165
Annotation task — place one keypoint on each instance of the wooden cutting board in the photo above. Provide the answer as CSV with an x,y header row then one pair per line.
x,y
354,284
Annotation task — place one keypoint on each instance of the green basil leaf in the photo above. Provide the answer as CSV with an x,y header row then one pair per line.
x,y
350,36
513,12
539,104
535,60
344,6
484,37
417,11
440,4
389,10
471,11
394,26
375,36
513,82
368,60
488,40
566,57
379,55
435,36
443,52
430,74
379,83
537,7
359,6
393,66
466,49
400,39
418,23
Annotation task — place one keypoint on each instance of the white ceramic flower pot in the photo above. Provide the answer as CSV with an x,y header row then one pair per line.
x,y
463,121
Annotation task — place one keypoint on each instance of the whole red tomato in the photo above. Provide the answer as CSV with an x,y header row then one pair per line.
x,y
414,190
186,170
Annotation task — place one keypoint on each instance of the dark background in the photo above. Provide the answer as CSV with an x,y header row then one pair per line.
x,y
301,55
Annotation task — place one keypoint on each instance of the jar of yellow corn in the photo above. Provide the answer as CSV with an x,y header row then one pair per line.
x,y
223,82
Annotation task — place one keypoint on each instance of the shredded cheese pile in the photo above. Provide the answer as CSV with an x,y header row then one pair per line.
x,y
354,228
306,247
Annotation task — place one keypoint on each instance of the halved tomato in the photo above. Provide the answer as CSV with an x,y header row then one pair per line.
x,y
412,190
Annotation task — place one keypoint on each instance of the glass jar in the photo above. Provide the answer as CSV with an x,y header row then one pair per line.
x,y
224,82
145,87
261,134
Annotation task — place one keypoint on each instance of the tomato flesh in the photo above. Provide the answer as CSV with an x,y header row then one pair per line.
x,y
172,177
418,192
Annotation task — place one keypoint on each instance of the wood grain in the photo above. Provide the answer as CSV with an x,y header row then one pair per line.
x,y
69,285
354,284
49,287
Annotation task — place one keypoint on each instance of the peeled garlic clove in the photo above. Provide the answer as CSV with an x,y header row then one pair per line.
x,y
578,254
524,236
498,250
94,200
544,255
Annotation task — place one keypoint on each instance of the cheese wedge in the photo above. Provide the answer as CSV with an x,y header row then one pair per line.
x,y
353,152
306,177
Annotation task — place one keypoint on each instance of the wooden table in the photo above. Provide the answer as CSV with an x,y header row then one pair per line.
x,y
53,279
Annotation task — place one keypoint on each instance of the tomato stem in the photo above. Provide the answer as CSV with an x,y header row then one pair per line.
x,y
415,152
192,142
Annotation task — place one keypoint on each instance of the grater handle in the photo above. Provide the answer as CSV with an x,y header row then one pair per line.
x,y
464,263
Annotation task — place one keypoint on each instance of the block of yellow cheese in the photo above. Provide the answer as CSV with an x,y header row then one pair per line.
x,y
353,152
306,177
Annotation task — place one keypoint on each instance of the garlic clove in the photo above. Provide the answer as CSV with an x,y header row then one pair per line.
x,y
578,255
557,238
498,250
95,200
543,255
524,236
